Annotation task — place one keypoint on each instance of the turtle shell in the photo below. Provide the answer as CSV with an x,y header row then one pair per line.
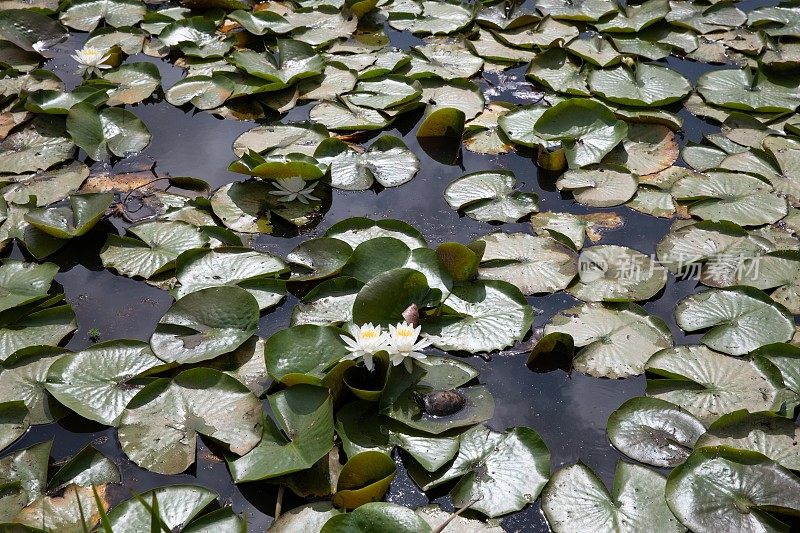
x,y
442,402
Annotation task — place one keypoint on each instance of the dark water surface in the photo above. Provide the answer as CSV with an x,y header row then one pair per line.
x,y
570,412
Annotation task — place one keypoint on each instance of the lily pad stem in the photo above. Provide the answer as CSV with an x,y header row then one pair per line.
x,y
279,501
454,515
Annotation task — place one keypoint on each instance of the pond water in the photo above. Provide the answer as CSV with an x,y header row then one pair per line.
x,y
568,411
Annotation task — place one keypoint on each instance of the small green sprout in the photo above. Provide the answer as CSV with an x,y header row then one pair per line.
x,y
94,334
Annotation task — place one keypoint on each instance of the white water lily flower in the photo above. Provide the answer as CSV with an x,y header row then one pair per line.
x,y
293,188
403,345
366,341
91,60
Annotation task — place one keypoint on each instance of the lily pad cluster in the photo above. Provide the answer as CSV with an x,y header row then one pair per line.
x,y
328,406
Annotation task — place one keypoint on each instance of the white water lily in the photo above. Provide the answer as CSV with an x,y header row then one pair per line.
x,y
91,60
403,345
365,342
289,189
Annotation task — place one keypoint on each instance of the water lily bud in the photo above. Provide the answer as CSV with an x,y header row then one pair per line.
x,y
411,315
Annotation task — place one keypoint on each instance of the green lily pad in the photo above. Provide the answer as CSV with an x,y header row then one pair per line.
x,y
645,85
609,273
305,413
738,198
705,19
155,249
384,298
319,258
481,316
544,34
616,340
636,17
741,319
83,213
490,196
14,422
308,517
158,435
587,129
648,149
177,506
560,72
387,161
377,516
23,376
23,283
54,102
709,384
135,82
300,138
304,353
742,89
256,272
775,436
293,61
36,325
328,304
110,132
533,264
98,382
205,324
774,270
365,478
445,61
48,186
38,145
488,463
345,116
244,206
584,10
427,17
654,431
30,29
85,15
575,227
734,489
576,499
599,187
356,230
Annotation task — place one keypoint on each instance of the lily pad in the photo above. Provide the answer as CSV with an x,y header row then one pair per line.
x,y
205,324
365,478
387,161
648,149
85,15
23,376
110,132
377,516
609,273
741,319
503,471
429,17
587,129
37,145
177,506
300,138
560,72
490,196
384,298
575,227
14,422
30,29
775,436
304,353
356,230
743,89
158,429
654,431
616,339
738,198
482,316
22,283
533,264
329,303
305,413
709,384
575,499
158,244
83,213
318,258
256,272
733,489
98,382
599,187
